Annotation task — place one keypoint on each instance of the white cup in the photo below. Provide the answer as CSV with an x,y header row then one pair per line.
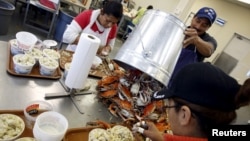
x,y
50,126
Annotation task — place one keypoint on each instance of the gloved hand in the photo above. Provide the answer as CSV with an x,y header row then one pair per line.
x,y
148,129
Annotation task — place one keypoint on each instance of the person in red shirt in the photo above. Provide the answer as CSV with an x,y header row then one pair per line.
x,y
101,23
202,97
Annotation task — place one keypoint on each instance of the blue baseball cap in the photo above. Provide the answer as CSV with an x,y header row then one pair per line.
x,y
207,12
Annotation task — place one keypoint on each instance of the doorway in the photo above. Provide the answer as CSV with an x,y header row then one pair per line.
x,y
235,58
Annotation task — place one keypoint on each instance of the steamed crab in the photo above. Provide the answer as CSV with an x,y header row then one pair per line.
x,y
128,95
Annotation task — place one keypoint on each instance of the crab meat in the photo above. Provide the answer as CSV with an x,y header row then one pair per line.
x,y
125,92
124,82
150,108
142,99
135,88
126,114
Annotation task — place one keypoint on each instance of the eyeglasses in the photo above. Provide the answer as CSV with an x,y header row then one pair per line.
x,y
167,104
173,106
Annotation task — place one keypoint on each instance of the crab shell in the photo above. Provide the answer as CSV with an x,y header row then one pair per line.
x,y
107,80
124,92
142,99
108,94
122,104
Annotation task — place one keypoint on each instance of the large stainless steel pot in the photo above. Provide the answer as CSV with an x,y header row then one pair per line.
x,y
154,45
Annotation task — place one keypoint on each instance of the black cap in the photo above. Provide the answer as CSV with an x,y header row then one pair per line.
x,y
205,85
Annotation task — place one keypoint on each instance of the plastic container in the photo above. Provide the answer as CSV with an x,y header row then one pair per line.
x,y
50,126
51,53
96,62
65,17
49,43
26,40
14,49
6,11
33,109
23,63
47,66
36,53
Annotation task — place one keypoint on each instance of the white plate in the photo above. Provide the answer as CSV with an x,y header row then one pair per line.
x,y
49,43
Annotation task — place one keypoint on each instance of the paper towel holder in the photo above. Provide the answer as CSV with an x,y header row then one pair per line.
x,y
72,93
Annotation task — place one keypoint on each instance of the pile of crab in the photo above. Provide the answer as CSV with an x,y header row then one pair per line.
x,y
127,94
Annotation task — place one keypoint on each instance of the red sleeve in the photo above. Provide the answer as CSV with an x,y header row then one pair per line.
x,y
83,18
112,33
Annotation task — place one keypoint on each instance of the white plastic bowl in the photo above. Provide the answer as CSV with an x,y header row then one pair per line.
x,y
48,66
35,52
23,63
12,126
25,40
96,62
49,43
51,53
50,126
14,49
33,109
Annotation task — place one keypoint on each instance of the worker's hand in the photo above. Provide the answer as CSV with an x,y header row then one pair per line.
x,y
76,40
191,36
104,51
149,130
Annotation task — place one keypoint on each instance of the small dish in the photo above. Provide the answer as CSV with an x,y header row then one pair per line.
x,y
49,43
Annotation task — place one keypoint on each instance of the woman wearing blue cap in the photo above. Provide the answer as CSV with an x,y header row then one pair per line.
x,y
198,44
202,97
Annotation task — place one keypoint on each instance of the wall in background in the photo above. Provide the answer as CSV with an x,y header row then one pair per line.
x,y
237,19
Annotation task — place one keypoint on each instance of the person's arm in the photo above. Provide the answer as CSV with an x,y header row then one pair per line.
x,y
203,47
72,33
110,42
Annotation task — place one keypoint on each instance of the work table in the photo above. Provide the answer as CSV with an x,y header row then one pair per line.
x,y
16,92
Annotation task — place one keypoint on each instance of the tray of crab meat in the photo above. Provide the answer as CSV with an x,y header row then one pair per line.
x,y
100,66
101,131
128,95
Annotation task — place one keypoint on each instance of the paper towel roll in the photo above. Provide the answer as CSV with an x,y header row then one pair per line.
x,y
82,61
